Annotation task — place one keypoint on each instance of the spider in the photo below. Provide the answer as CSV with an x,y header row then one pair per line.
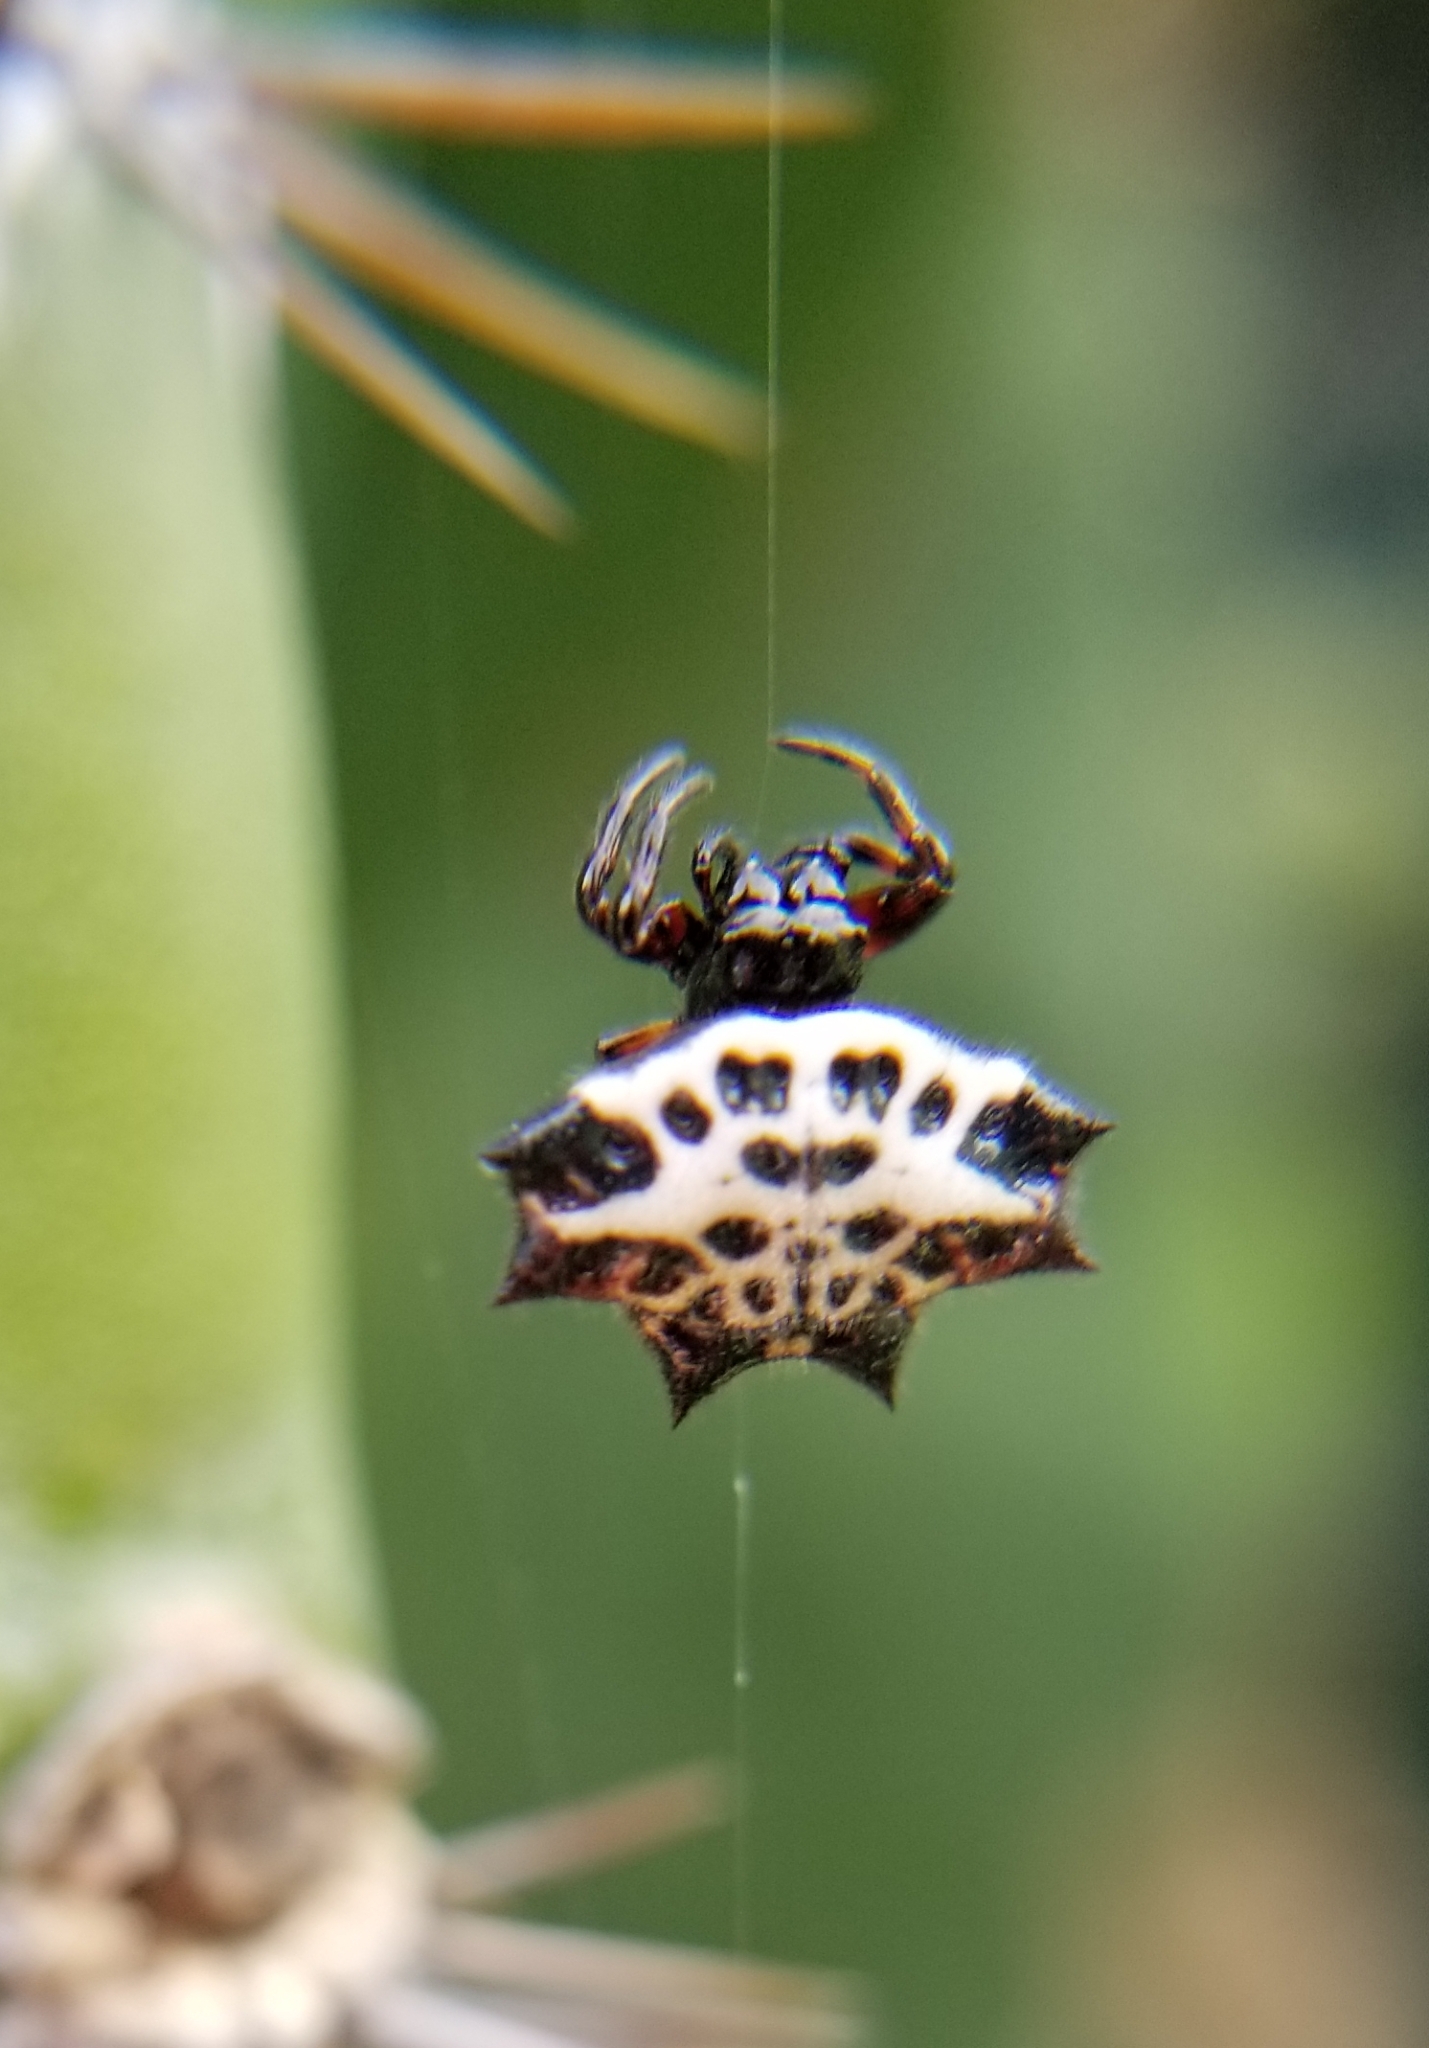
x,y
782,1172
779,936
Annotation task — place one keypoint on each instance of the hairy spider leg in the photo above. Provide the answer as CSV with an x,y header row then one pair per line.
x,y
670,934
639,930
909,825
716,861
877,853
922,866
893,914
623,1045
604,856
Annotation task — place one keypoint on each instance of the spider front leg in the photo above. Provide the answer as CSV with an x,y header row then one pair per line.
x,y
716,863
595,907
624,918
638,927
920,866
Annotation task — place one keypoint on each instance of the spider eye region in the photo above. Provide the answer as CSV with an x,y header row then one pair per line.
x,y
814,875
804,893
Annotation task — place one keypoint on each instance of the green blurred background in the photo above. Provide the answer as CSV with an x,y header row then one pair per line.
x,y
1104,510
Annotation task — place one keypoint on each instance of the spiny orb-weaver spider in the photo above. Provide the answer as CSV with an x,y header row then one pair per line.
x,y
782,1172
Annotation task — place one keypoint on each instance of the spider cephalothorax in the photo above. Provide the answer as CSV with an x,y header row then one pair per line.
x,y
783,1172
782,935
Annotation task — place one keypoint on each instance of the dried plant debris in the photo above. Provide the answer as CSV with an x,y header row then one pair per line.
x,y
214,121
214,1850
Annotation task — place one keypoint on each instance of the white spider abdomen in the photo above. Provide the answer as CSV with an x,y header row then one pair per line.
x,y
762,1187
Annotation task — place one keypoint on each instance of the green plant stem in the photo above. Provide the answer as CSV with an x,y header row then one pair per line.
x,y
170,1059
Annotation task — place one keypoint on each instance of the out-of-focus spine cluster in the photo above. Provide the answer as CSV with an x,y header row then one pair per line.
x,y
213,1850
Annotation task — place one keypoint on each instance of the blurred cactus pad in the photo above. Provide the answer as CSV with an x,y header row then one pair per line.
x,y
168,1043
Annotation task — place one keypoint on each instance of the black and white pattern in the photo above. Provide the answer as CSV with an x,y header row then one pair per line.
x,y
760,1186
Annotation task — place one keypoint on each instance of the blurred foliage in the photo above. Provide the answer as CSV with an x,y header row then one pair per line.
x,y
1075,371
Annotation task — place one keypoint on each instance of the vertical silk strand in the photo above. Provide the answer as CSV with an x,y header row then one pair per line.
x,y
743,1668
774,213
743,1671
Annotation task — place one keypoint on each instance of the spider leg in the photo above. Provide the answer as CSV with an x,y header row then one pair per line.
x,y
591,901
925,851
920,867
895,909
715,864
636,925
671,933
895,912
624,1045
874,853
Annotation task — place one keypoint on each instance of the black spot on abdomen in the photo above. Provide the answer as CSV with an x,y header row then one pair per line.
x,y
990,1240
876,1078
769,1161
760,1295
597,1269
667,1268
841,1290
737,1237
685,1118
868,1233
753,1084
928,1256
835,1166
572,1159
931,1110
